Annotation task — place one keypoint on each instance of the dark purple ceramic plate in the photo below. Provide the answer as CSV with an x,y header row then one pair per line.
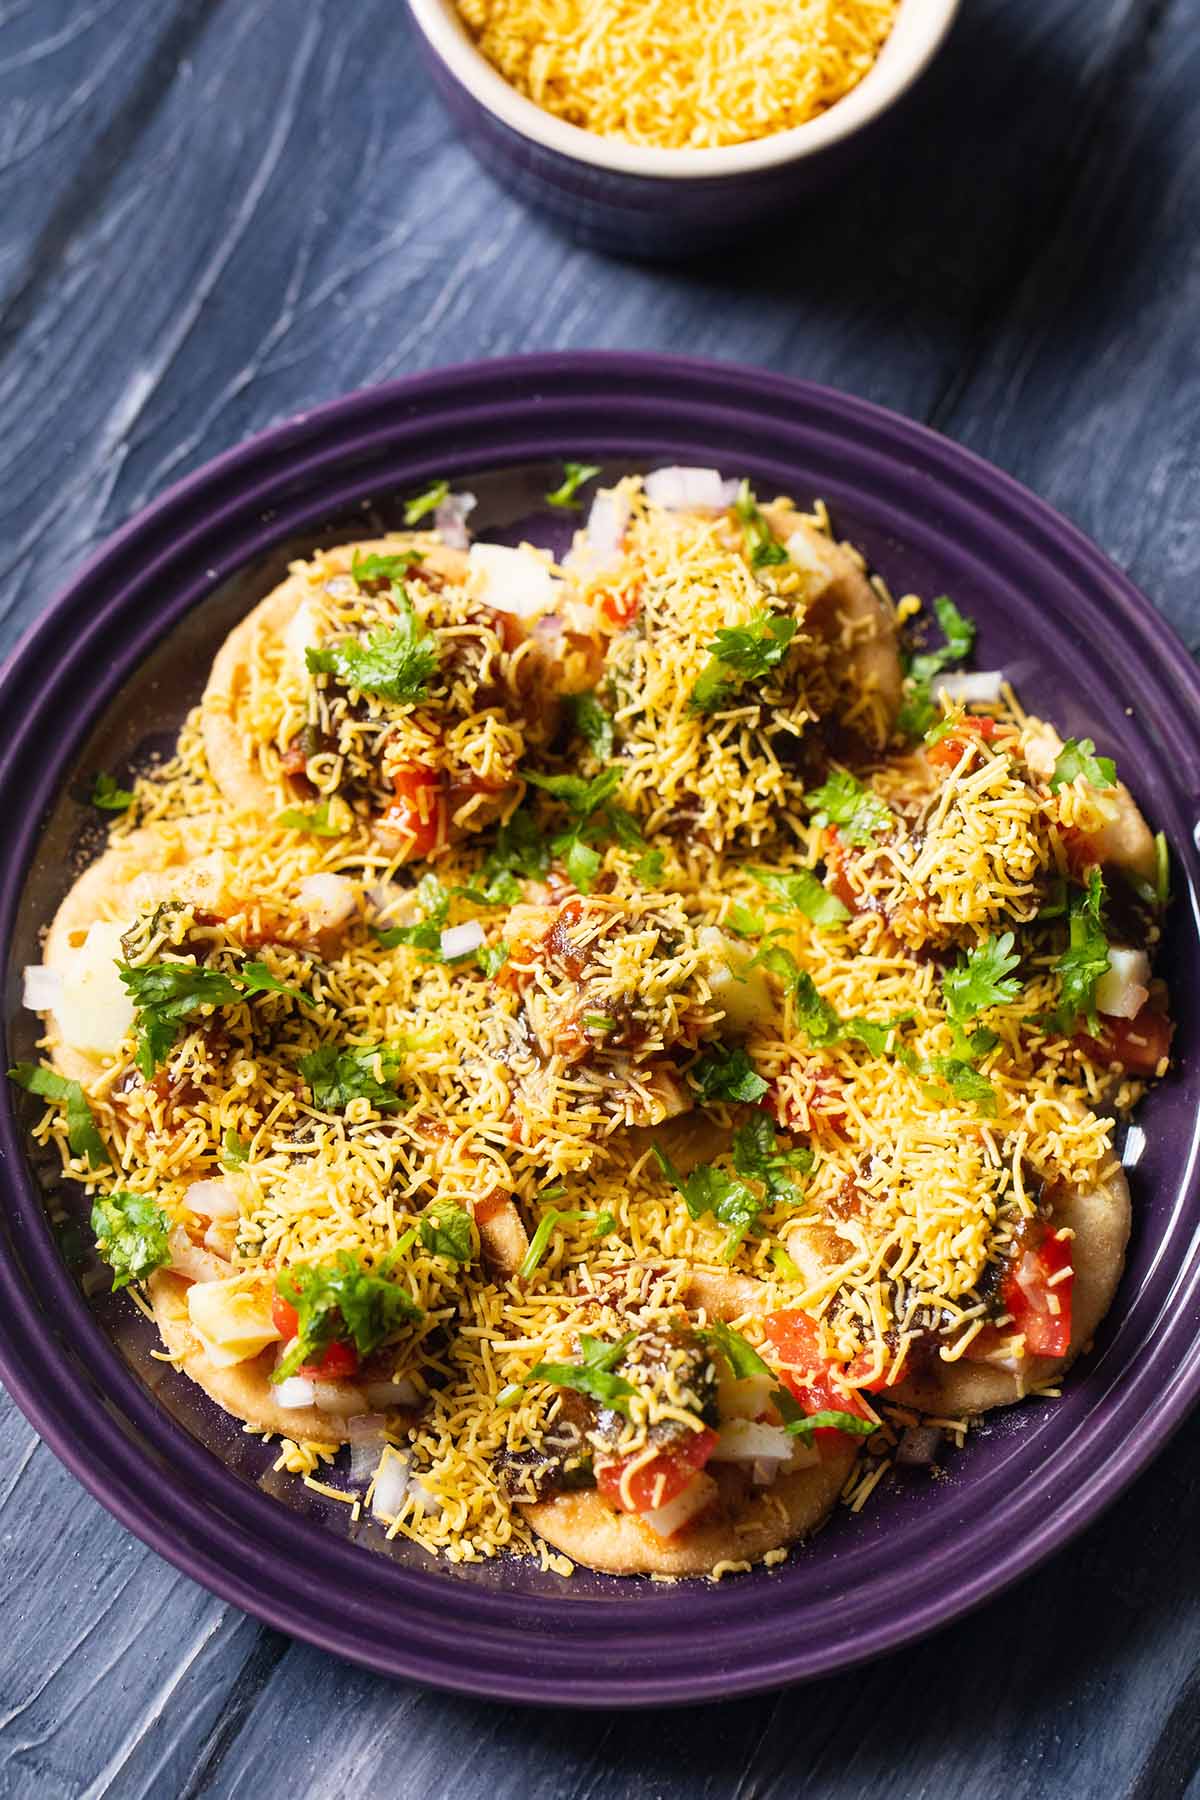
x,y
108,672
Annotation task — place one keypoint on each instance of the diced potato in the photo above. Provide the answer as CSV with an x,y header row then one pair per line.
x,y
232,1320
94,1012
739,989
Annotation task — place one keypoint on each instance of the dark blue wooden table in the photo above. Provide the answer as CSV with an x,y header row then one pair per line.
x,y
214,213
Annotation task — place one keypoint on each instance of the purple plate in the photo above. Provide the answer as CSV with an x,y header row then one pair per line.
x,y
105,676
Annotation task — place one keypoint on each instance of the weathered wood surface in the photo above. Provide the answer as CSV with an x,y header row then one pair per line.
x,y
217,212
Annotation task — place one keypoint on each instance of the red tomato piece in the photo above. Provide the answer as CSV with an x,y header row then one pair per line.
x,y
810,1379
657,1480
283,1317
620,606
1030,1294
946,752
415,813
335,1363
1138,1044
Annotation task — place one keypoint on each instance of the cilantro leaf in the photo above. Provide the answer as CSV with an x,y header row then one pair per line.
x,y
520,849
256,978
648,869
341,1302
981,978
395,664
963,1081
802,891
1085,960
108,796
492,958
316,823
338,1074
593,1373
594,817
421,505
546,1227
446,1231
757,1157
234,1149
426,932
710,1190
738,654
384,568
502,890
1162,869
574,476
726,1073
829,1419
918,712
844,801
167,993
1078,757
605,1223
744,923
83,1137
816,1017
762,546
742,1357
592,723
131,1236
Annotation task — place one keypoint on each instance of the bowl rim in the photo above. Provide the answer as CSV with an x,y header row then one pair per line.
x,y
922,26
57,1361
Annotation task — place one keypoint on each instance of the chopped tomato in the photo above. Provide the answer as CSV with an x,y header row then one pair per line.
x,y
620,606
657,1480
415,813
946,752
490,1205
1139,1044
1039,1304
835,866
810,1378
334,1362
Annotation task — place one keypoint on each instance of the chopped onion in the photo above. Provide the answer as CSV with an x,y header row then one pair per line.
x,y
339,1398
296,1391
212,1200
514,581
384,1395
686,490
748,1441
665,1521
189,1260
919,1445
983,686
391,1484
450,519
607,522
460,940
341,587
745,1398
221,1237
329,900
43,988
1133,1147
1123,990
367,1444
804,551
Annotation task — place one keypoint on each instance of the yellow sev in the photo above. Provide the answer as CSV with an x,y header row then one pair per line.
x,y
682,74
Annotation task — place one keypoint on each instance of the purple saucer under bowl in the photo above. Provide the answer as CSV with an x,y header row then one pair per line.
x,y
107,674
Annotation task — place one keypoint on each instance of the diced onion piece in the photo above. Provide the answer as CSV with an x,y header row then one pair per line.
x,y
460,940
42,990
806,554
1124,989
329,900
300,633
666,1520
749,1441
973,689
189,1260
391,1483
295,1391
601,542
918,1447
681,489
212,1200
386,1395
450,520
339,1398
747,1397
513,581
94,1010
367,1444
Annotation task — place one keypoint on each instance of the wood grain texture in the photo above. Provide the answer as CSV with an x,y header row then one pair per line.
x,y
217,212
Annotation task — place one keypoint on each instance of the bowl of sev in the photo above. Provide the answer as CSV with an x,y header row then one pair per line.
x,y
661,130
105,682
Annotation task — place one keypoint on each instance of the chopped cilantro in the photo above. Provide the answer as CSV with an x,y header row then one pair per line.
x,y
131,1235
844,801
108,796
338,1074
757,1157
316,823
167,993
592,723
743,922
594,817
648,868
574,476
605,1223
710,1190
1078,757
396,663
446,1231
341,1302
801,891
492,958
546,1227
953,1072
234,1149
502,890
422,505
918,711
426,933
728,1074
520,849
742,1357
829,1419
816,1018
1162,868
383,568
1085,960
762,546
738,654
593,1373
981,978
83,1137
